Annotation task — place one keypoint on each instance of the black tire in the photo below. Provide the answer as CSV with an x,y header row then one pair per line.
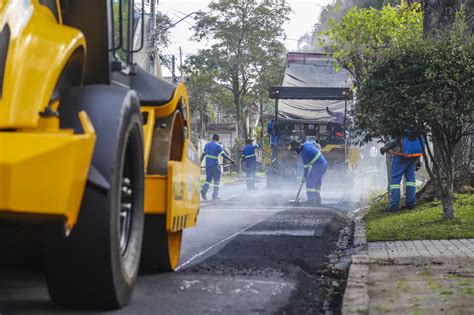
x,y
97,265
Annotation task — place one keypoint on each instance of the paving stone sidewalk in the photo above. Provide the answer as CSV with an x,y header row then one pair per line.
x,y
410,277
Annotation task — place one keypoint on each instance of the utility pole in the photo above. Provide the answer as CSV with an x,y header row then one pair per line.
x,y
151,38
173,68
202,119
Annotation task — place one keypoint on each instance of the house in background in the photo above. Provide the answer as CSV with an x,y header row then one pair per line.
x,y
227,132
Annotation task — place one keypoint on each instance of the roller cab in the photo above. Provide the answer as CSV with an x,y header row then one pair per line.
x,y
43,167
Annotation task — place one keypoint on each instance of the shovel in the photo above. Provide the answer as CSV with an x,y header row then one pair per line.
x,y
296,201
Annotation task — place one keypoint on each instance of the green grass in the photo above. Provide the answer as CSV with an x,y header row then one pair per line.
x,y
424,222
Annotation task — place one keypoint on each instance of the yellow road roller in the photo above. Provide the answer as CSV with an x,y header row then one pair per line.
x,y
94,150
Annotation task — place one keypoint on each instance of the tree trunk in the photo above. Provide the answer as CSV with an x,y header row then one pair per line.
x,y
262,124
437,14
238,113
388,162
447,200
463,155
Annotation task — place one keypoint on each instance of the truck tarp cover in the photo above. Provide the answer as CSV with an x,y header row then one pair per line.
x,y
312,70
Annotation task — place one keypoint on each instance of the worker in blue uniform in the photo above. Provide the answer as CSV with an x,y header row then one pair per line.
x,y
250,158
211,152
406,152
315,166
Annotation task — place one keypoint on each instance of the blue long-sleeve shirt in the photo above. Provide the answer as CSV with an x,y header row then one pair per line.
x,y
213,150
248,153
311,156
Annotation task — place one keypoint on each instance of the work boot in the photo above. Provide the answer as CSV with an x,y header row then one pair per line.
x,y
391,209
203,195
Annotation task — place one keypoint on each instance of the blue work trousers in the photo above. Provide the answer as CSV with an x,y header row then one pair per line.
x,y
403,166
251,171
314,181
213,173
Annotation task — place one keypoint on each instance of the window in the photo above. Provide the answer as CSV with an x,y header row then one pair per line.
x,y
121,27
53,6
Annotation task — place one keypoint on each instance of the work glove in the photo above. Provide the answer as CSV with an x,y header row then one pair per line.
x,y
303,180
382,151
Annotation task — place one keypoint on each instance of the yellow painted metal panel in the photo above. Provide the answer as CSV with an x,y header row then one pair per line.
x,y
155,194
148,130
167,109
45,173
183,191
330,147
39,48
354,158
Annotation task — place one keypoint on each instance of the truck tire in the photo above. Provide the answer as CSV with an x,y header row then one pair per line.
x,y
162,248
96,266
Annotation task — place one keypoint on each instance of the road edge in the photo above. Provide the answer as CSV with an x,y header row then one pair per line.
x,y
356,295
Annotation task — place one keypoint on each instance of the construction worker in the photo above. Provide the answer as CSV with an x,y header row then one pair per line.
x,y
250,158
212,151
406,153
315,166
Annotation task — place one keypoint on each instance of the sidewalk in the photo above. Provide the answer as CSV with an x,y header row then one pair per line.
x,y
410,277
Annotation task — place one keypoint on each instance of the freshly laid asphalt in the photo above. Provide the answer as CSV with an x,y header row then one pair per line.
x,y
251,252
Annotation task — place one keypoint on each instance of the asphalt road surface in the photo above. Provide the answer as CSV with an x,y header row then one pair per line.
x,y
251,252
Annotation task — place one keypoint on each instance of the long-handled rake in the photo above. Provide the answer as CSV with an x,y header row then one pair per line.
x,y
296,201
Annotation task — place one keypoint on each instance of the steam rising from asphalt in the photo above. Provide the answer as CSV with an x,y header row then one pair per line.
x,y
340,184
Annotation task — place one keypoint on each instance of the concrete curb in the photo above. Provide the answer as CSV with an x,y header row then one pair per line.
x,y
356,295
360,236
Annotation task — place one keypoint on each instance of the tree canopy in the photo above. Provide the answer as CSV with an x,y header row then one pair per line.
x,y
360,38
245,46
335,12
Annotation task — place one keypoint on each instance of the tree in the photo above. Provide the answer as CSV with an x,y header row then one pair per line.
x,y
424,85
359,40
335,12
438,15
245,36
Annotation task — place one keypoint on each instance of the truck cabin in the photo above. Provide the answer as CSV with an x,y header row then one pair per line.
x,y
323,133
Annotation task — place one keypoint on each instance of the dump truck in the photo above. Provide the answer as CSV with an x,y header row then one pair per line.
x,y
312,103
95,153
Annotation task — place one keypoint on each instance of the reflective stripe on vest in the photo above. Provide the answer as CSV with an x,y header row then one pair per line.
x,y
249,156
212,157
313,160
